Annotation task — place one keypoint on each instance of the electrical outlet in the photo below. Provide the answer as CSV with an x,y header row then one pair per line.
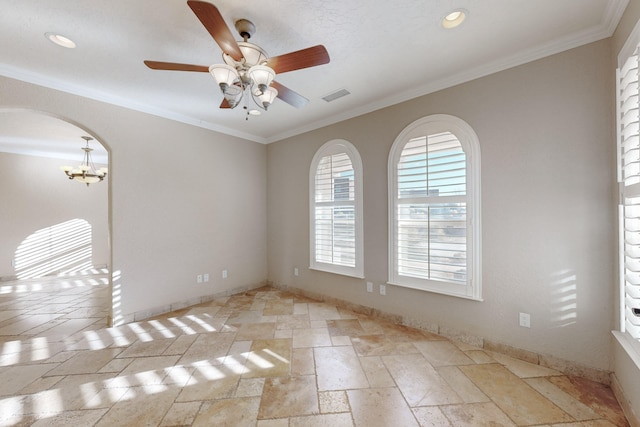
x,y
369,287
206,277
525,320
383,289
295,271
224,274
199,278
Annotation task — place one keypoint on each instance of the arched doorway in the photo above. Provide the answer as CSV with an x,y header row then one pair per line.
x,y
54,256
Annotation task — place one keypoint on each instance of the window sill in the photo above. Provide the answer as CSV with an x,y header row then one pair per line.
x,y
334,270
630,346
437,291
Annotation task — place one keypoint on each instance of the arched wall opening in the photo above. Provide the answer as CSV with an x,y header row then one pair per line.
x,y
54,229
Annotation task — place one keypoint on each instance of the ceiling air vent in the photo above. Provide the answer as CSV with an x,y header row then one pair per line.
x,y
335,95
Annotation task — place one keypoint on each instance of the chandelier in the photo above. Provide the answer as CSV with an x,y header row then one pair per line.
x,y
248,75
86,172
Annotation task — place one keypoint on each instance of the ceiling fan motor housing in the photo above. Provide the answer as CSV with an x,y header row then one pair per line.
x,y
245,28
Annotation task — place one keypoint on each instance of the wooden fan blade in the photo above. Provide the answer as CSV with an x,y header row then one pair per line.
x,y
305,58
289,96
225,103
210,17
172,66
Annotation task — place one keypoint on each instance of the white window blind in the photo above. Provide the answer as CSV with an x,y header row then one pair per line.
x,y
434,208
431,217
336,209
629,178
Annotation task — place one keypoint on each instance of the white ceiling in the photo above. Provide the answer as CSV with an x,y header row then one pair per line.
x,y
381,52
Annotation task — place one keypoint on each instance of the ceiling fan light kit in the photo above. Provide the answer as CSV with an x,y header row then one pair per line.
x,y
247,67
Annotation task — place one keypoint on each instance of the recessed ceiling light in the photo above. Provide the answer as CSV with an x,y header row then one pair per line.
x,y
60,40
454,18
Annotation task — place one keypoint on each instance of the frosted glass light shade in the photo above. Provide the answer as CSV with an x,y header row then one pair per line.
x,y
261,75
233,95
224,74
253,55
268,97
87,179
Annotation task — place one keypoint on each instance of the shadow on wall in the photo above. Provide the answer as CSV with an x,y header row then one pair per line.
x,y
60,249
564,299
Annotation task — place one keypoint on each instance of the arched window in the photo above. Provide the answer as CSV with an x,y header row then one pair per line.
x,y
434,208
335,180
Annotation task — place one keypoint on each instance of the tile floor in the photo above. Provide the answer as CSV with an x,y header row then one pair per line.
x,y
265,358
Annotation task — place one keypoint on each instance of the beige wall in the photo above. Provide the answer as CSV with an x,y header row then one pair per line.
x,y
37,195
184,200
548,220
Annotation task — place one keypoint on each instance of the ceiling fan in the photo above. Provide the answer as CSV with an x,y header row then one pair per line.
x,y
247,67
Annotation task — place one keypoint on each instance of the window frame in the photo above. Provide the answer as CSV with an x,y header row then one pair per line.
x,y
338,146
426,126
630,49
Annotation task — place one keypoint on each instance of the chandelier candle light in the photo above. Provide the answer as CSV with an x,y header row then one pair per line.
x,y
86,172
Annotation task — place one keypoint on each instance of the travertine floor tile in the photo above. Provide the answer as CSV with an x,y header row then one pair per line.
x,y
255,331
377,374
232,412
339,368
181,414
419,382
250,387
431,416
289,397
325,420
567,403
212,347
517,399
143,349
476,414
209,382
302,362
71,418
278,307
333,401
346,327
267,358
380,407
523,369
140,406
315,337
86,362
73,392
15,378
442,353
321,311
462,385
597,396
293,321
381,345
